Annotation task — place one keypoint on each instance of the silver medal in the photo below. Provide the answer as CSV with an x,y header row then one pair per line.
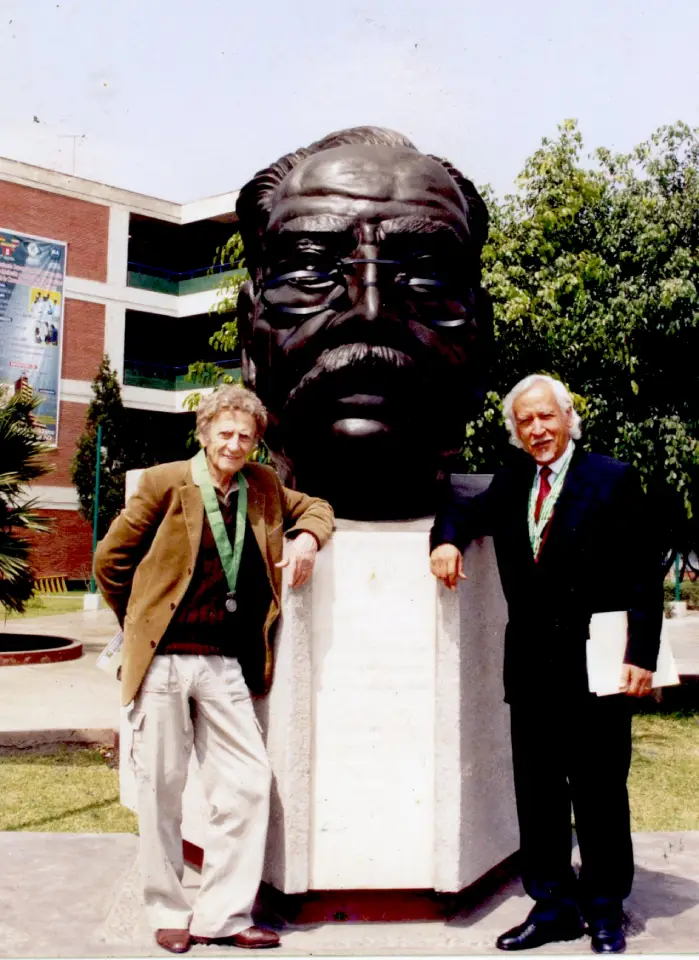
x,y
231,603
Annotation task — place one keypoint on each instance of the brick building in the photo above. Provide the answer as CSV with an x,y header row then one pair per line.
x,y
138,287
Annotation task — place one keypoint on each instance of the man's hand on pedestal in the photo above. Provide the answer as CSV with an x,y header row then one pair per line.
x,y
300,559
447,564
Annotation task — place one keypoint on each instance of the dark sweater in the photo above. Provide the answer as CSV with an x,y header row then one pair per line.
x,y
201,624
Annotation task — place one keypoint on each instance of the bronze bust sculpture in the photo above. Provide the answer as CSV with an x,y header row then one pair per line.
x,y
364,328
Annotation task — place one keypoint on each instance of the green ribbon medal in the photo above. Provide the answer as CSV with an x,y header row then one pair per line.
x,y
230,556
537,527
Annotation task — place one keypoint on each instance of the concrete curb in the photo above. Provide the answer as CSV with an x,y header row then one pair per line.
x,y
28,739
70,650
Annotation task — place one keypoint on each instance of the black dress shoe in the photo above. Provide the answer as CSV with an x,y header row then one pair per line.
x,y
535,933
607,938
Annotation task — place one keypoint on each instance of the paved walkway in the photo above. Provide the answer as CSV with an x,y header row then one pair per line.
x,y
66,895
70,696
684,639
75,695
78,895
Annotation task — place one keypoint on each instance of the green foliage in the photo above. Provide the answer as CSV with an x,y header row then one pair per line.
x,y
23,462
594,275
225,339
106,409
230,254
689,593
206,373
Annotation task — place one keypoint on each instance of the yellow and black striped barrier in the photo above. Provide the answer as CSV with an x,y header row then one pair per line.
x,y
51,585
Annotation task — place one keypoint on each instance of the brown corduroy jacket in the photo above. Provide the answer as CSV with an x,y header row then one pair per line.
x,y
145,563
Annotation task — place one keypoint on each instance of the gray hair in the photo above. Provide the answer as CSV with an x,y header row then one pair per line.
x,y
230,397
561,393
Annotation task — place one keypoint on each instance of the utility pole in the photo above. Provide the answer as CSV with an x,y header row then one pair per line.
x,y
96,506
74,137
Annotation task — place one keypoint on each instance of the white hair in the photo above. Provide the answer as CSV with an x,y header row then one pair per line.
x,y
563,398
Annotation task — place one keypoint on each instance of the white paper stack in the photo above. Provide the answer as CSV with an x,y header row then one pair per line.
x,y
110,658
606,649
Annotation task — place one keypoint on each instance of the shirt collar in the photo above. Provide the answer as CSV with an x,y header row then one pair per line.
x,y
224,499
557,465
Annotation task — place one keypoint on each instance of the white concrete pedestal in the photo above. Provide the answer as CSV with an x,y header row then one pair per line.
x,y
386,728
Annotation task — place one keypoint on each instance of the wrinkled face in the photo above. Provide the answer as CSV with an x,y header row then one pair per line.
x,y
230,439
542,426
360,337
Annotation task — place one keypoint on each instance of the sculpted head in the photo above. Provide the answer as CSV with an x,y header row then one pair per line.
x,y
364,328
540,417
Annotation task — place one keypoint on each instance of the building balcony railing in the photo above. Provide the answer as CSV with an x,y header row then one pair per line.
x,y
160,376
178,283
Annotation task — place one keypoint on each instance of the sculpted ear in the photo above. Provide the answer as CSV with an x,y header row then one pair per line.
x,y
246,319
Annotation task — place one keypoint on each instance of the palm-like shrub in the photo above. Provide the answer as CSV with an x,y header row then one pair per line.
x,y
21,462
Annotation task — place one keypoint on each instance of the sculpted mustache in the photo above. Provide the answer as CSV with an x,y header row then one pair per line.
x,y
350,355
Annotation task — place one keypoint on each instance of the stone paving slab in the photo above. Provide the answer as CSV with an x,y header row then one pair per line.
x,y
78,895
683,634
73,695
93,628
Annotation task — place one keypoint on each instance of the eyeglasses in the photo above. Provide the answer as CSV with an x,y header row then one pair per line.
x,y
321,289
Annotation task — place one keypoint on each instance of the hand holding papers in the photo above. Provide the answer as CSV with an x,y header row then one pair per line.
x,y
606,649
110,658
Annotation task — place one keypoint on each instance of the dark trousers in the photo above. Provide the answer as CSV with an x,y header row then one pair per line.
x,y
574,751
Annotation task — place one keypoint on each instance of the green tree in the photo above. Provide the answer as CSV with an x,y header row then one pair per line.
x,y
23,462
203,372
106,409
594,273
225,339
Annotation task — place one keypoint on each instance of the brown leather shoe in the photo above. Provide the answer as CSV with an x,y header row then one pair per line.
x,y
176,941
254,938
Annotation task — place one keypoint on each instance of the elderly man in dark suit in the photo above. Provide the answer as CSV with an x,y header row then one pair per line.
x,y
568,530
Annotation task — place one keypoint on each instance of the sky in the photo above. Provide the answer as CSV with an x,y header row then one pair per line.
x,y
183,100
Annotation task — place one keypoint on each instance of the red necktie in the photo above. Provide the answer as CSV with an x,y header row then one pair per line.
x,y
544,491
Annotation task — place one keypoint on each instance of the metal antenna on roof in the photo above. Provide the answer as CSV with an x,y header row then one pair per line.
x,y
74,137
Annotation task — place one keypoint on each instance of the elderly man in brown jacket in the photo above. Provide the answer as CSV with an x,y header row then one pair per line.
x,y
192,568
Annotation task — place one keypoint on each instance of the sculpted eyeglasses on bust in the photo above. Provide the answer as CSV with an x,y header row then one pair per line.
x,y
364,328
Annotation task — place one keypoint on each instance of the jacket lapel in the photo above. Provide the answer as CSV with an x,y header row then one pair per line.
x,y
578,490
193,510
256,514
518,524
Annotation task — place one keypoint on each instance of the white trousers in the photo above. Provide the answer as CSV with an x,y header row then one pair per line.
x,y
235,775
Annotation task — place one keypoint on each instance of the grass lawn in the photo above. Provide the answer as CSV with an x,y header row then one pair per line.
x,y
48,604
665,771
62,791
77,790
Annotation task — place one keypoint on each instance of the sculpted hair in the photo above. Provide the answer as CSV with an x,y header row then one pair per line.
x,y
563,398
230,397
255,199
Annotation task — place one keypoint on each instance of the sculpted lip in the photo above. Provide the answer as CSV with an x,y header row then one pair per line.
x,y
371,409
359,427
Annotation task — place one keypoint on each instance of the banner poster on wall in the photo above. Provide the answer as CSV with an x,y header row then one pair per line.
x,y
32,273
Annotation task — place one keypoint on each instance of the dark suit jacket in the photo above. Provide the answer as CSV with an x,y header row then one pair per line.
x,y
596,557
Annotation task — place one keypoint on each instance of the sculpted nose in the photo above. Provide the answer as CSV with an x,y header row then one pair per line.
x,y
368,297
